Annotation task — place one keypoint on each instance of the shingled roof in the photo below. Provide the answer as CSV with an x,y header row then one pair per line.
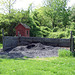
x,y
26,26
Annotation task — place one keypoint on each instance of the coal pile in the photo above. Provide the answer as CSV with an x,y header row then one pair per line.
x,y
33,50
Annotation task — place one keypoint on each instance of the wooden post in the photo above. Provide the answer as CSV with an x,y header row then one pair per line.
x,y
3,37
71,43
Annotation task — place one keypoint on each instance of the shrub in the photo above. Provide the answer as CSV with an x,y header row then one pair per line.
x,y
57,35
65,53
61,35
0,38
55,29
73,54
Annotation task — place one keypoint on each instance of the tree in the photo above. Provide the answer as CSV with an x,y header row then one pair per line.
x,y
7,5
57,11
73,13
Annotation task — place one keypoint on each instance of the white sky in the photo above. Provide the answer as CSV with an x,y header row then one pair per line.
x,y
71,2
36,3
25,3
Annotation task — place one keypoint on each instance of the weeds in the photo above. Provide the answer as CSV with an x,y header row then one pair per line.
x,y
1,46
65,53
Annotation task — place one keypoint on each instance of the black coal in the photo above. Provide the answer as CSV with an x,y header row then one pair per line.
x,y
32,50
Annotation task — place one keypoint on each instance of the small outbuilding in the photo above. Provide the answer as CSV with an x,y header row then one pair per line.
x,y
23,30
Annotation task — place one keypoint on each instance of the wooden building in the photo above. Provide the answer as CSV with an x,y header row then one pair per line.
x,y
23,30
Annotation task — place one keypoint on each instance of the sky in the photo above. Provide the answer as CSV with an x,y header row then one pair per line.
x,y
71,2
23,4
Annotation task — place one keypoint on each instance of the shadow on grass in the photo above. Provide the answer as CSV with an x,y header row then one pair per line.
x,y
16,56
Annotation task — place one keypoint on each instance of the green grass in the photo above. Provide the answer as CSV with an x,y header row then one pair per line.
x,y
38,66
1,46
62,65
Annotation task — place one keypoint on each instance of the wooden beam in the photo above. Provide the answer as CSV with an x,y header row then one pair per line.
x,y
71,42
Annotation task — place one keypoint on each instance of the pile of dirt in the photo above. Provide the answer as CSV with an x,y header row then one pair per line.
x,y
32,50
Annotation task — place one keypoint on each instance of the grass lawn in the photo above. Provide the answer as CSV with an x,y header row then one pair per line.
x,y
1,46
38,66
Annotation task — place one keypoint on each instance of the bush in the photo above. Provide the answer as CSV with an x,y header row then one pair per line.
x,y
0,38
65,53
57,35
61,35
55,29
73,54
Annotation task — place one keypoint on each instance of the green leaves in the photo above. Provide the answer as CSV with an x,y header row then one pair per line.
x,y
56,10
65,53
52,20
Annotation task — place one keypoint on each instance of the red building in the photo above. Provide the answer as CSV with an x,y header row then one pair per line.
x,y
23,30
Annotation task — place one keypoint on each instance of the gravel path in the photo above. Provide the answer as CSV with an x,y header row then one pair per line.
x,y
32,51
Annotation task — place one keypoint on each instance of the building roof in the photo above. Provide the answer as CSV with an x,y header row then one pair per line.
x,y
26,26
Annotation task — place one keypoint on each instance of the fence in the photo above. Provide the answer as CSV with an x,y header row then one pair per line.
x,y
72,43
11,42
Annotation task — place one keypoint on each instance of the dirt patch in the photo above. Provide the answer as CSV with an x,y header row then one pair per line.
x,y
32,50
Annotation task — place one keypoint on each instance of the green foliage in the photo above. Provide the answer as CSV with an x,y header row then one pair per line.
x,y
56,10
55,29
59,34
65,53
1,46
38,66
37,57
25,57
73,54
1,35
73,13
53,20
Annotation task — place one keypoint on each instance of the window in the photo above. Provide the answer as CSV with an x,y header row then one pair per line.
x,y
27,32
